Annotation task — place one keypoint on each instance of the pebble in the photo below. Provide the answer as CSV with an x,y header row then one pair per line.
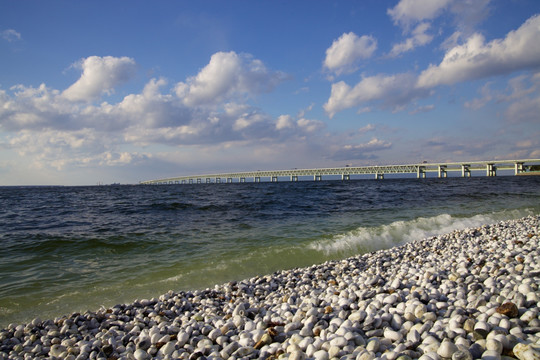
x,y
465,295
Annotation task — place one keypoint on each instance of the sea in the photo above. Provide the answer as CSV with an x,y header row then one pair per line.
x,y
75,249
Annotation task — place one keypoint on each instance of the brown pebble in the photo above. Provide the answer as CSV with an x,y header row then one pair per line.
x,y
328,310
509,309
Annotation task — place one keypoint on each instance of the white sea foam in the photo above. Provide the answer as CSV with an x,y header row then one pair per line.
x,y
367,239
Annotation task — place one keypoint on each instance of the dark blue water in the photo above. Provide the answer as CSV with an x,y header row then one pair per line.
x,y
66,249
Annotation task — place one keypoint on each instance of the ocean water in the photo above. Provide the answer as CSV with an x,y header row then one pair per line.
x,y
68,249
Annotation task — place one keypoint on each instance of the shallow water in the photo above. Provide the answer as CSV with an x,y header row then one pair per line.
x,y
68,249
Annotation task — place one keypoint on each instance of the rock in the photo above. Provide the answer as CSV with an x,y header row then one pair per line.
x,y
526,352
495,345
321,355
462,355
509,309
447,349
265,340
392,335
140,354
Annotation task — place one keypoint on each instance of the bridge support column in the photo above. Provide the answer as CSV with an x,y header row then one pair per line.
x,y
257,179
273,179
518,168
294,177
379,176
317,178
229,180
242,179
421,172
345,177
208,180
442,171
491,170
199,181
465,170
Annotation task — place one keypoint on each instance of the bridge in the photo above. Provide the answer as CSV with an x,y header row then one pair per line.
x,y
489,168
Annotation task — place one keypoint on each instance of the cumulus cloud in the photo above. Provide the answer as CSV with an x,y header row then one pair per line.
x,y
10,35
476,59
407,12
100,75
344,53
393,91
284,122
226,76
416,16
419,38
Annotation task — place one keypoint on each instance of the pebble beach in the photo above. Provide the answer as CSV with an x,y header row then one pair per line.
x,y
469,294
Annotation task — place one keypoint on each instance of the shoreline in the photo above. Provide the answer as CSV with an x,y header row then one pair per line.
x,y
440,297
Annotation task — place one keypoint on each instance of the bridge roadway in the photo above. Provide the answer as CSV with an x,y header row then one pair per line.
x,y
489,167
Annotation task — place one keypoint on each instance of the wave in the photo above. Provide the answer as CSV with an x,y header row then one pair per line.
x,y
368,239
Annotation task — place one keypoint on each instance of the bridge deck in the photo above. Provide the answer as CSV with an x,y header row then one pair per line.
x,y
490,167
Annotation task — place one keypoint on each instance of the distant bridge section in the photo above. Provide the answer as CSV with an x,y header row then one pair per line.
x,y
489,168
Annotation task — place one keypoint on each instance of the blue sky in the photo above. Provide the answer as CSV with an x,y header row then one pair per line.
x,y
124,91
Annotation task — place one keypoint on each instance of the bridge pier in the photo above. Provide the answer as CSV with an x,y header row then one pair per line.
x,y
294,177
242,179
273,179
491,170
465,170
257,179
442,171
199,181
229,180
379,176
345,177
421,172
317,178
518,168
208,180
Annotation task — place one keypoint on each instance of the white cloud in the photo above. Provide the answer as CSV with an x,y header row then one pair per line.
x,y
227,75
10,35
419,38
393,91
284,122
524,110
478,103
344,53
310,126
422,109
100,75
367,128
361,151
469,13
407,12
477,59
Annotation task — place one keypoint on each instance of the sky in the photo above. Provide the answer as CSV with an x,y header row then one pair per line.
x,y
126,91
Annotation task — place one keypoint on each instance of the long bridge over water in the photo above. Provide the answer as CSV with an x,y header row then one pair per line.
x,y
489,168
